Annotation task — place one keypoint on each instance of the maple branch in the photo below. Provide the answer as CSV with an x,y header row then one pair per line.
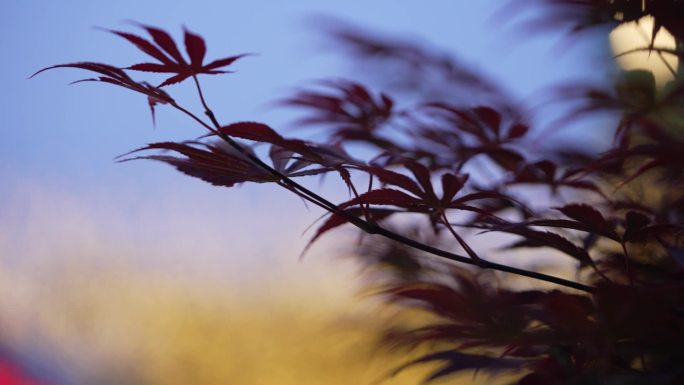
x,y
207,110
473,255
313,197
366,226
667,64
194,117
484,264
239,148
660,51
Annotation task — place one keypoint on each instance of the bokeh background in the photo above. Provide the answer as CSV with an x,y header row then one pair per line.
x,y
135,274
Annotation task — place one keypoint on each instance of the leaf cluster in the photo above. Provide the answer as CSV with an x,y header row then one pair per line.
x,y
465,166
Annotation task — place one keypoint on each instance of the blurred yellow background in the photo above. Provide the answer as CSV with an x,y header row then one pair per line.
x,y
83,303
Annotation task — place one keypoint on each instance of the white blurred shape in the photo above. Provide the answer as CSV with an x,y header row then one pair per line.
x,y
637,35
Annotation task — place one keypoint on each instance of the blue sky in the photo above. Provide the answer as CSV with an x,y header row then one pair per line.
x,y
57,141
74,131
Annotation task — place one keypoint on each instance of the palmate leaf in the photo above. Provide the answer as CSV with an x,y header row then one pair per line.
x,y
329,157
638,228
116,76
389,177
336,219
586,227
163,48
353,113
536,238
483,123
322,154
425,198
583,218
418,69
422,186
284,161
423,189
472,314
217,164
255,131
222,165
590,217
441,299
385,196
420,198
262,133
113,75
469,132
545,173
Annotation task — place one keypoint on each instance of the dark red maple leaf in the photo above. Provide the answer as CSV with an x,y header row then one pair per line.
x,y
113,75
469,132
418,69
583,217
164,49
422,199
116,76
218,164
545,173
350,109
535,238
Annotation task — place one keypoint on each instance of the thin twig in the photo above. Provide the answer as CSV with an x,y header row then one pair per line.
x,y
366,226
671,51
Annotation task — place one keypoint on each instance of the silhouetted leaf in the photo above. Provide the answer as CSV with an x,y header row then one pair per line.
x,y
537,238
517,131
336,220
634,222
258,132
350,109
218,164
590,217
116,76
458,362
164,49
384,196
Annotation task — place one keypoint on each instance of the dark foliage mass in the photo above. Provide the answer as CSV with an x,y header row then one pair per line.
x,y
470,166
